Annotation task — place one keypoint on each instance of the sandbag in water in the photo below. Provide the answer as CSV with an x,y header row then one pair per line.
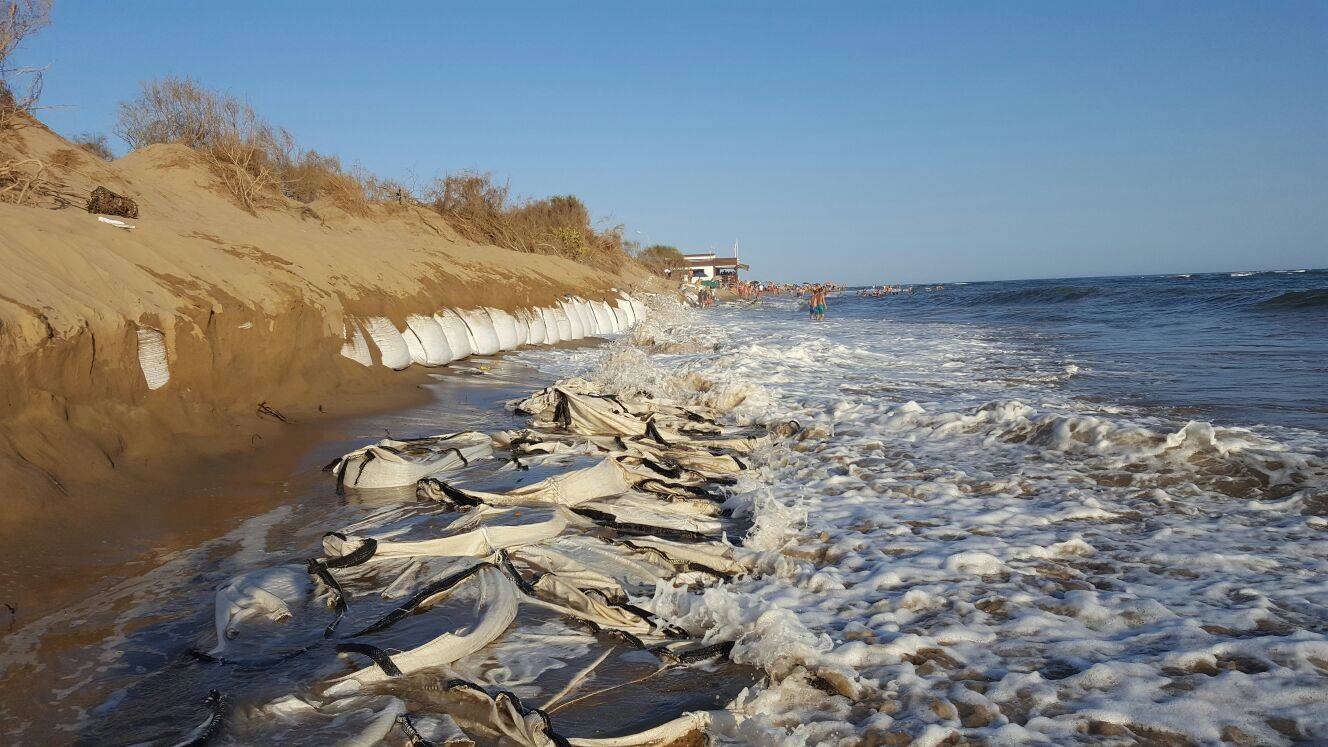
x,y
522,323
390,463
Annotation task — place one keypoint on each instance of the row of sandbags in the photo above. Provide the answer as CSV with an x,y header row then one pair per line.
x,y
453,334
626,505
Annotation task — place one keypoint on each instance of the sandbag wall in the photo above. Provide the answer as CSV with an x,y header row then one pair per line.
x,y
453,334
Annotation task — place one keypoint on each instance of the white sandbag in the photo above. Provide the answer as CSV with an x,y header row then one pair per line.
x,y
473,537
626,306
392,350
522,327
553,330
586,316
479,325
152,357
392,464
569,488
621,314
604,319
536,332
575,329
678,731
505,327
499,599
269,593
454,329
639,309
356,347
426,342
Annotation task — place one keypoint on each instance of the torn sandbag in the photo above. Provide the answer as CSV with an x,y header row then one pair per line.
x,y
152,357
479,326
359,721
470,536
566,489
635,509
392,350
454,329
688,728
503,716
391,463
505,327
716,557
497,608
356,347
571,555
564,596
426,342
431,730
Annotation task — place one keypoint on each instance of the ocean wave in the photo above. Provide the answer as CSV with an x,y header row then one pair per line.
x,y
1299,299
1053,294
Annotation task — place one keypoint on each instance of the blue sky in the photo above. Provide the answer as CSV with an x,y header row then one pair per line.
x,y
857,142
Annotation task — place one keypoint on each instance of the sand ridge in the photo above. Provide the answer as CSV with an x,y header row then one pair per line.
x,y
253,308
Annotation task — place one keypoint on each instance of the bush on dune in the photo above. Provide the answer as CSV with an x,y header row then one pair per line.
x,y
257,162
482,210
660,257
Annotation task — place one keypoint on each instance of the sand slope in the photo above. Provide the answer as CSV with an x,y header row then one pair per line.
x,y
252,307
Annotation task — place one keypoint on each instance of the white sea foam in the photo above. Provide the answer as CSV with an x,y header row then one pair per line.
x,y
960,545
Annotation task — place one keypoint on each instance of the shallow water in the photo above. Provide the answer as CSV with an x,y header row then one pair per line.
x,y
1006,518
1043,512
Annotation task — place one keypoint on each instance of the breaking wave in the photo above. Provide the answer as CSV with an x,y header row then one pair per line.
x,y
1301,299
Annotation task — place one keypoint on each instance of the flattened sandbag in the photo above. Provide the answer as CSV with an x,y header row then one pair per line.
x,y
390,463
565,489
498,604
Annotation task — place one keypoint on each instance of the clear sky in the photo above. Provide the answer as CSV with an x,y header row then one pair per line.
x,y
857,142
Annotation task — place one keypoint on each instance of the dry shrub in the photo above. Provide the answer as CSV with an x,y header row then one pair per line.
x,y
483,211
29,181
20,86
97,145
660,257
245,152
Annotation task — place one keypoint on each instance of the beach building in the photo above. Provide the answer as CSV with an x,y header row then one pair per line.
x,y
708,267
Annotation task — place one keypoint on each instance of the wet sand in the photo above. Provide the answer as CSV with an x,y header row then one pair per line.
x,y
84,578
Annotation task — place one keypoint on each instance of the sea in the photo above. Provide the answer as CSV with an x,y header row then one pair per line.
x,y
1070,511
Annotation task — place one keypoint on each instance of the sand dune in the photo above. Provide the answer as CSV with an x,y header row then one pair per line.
x,y
252,308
